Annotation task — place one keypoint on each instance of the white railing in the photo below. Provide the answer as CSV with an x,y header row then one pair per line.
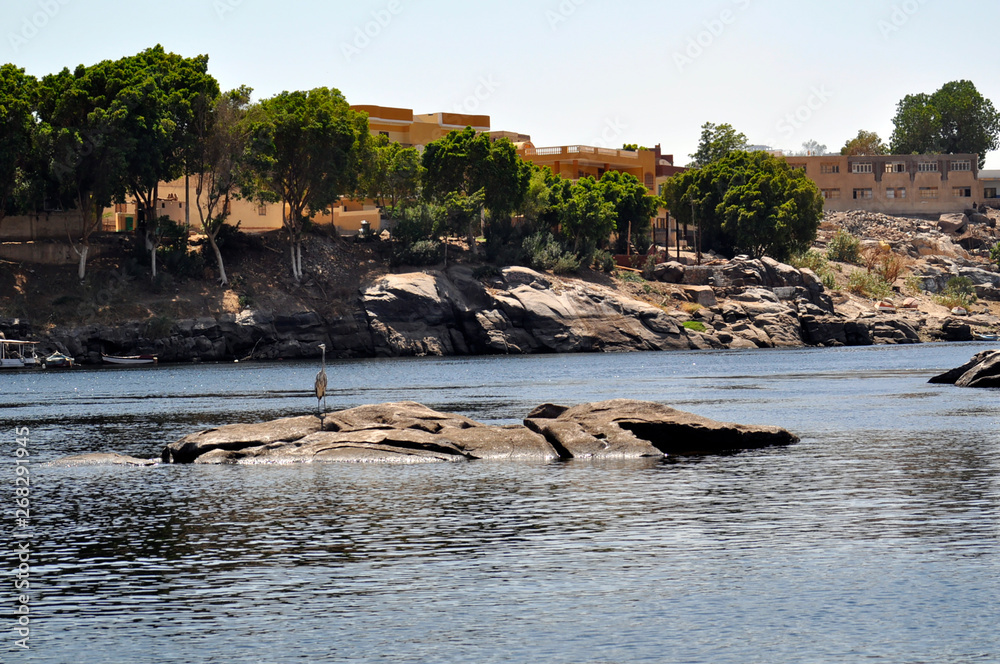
x,y
581,149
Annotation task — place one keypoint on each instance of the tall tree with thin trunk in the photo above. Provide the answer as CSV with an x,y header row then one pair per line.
x,y
218,163
305,155
16,129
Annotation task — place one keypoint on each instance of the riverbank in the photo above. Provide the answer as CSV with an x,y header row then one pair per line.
x,y
356,304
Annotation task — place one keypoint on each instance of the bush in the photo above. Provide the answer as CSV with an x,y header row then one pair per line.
x,y
421,252
810,260
869,284
960,292
605,262
695,325
649,269
546,253
230,240
629,277
995,254
844,248
829,280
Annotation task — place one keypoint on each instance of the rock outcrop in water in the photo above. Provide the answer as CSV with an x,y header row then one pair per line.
x,y
404,433
982,371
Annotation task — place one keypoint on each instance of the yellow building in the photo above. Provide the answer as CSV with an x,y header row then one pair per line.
x,y
650,167
402,126
895,184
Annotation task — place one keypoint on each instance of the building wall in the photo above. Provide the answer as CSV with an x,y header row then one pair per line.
x,y
895,184
402,126
46,226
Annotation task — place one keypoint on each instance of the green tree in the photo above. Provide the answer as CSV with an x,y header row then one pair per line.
x,y
218,160
865,144
305,154
85,143
749,203
634,208
390,174
716,142
17,127
956,119
587,219
464,163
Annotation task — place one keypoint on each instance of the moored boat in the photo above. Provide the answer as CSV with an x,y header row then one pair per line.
x,y
58,361
130,359
15,354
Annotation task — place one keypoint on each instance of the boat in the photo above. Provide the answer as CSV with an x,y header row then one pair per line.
x,y
14,354
130,359
985,337
58,361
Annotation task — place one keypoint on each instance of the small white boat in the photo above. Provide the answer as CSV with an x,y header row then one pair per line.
x,y
15,354
131,359
58,361
985,337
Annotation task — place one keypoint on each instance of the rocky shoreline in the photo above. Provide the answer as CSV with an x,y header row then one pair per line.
x,y
735,304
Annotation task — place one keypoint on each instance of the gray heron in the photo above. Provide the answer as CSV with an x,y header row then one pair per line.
x,y
321,381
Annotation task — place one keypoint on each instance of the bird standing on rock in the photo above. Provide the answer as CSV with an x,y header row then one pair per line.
x,y
321,381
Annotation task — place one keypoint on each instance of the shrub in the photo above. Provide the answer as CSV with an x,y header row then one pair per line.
x,y
691,308
421,252
630,277
995,253
695,325
649,268
546,253
960,292
605,262
829,280
869,284
914,284
844,248
486,272
810,260
159,327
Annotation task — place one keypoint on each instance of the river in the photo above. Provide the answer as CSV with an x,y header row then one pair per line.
x,y
876,538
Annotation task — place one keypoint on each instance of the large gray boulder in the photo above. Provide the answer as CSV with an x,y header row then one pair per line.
x,y
408,433
982,371
626,428
523,311
101,459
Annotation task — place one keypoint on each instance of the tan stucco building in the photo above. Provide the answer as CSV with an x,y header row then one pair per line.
x,y
404,127
896,184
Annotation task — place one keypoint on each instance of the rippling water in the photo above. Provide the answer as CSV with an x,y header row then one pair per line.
x,y
874,539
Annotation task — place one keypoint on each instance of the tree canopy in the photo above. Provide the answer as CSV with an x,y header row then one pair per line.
x,y
305,155
716,142
749,203
17,125
865,144
956,119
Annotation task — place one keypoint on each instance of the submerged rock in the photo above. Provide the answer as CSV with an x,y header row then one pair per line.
x,y
982,371
102,459
407,433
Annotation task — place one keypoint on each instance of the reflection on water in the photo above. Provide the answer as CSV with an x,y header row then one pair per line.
x,y
875,538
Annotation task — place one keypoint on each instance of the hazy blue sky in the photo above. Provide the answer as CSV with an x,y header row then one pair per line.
x,y
563,71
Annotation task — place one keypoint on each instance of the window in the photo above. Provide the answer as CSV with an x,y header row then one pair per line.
x,y
897,192
650,181
798,167
828,169
895,167
121,207
862,194
990,192
384,133
927,167
962,192
961,165
262,210
861,167
928,192
831,194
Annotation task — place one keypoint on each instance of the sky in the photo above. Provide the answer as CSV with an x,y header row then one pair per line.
x,y
566,72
